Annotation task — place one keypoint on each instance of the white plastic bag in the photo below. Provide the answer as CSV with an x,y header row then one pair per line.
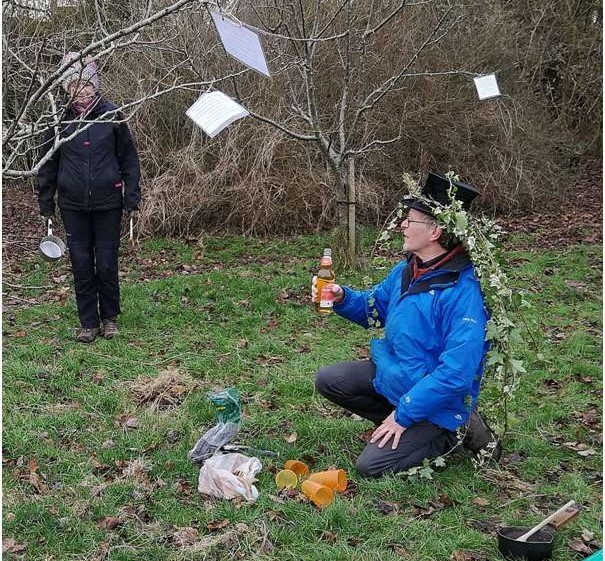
x,y
227,476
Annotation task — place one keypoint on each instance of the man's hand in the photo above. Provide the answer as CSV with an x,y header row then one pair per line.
x,y
389,428
336,289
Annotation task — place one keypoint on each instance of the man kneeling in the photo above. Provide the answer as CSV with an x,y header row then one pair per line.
x,y
422,382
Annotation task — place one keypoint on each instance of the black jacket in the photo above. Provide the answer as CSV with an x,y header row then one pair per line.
x,y
97,170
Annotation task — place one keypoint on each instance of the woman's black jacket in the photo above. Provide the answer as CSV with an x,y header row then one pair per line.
x,y
97,170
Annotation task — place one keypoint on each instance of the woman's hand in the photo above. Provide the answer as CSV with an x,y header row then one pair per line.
x,y
390,428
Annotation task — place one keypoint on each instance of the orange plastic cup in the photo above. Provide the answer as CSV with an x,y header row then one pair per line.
x,y
286,478
319,494
335,479
299,468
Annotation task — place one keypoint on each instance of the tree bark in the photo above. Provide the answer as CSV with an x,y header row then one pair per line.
x,y
351,207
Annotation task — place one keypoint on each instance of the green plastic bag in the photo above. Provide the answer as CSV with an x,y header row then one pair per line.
x,y
227,405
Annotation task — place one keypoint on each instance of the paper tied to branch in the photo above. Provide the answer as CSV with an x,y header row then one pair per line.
x,y
214,111
487,86
240,42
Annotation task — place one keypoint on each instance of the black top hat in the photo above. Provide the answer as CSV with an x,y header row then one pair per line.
x,y
436,188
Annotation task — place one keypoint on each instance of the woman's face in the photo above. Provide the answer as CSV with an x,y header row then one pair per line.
x,y
81,92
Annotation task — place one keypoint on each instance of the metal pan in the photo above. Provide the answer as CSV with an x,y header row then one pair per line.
x,y
51,247
535,544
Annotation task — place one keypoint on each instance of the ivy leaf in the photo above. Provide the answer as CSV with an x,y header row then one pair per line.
x,y
517,366
426,472
494,357
461,221
439,461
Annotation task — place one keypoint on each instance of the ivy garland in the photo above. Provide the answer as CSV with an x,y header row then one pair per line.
x,y
479,236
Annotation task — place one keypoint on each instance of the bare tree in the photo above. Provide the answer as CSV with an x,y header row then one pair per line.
x,y
36,35
338,65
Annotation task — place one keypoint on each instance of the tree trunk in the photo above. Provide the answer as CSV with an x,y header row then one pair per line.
x,y
351,206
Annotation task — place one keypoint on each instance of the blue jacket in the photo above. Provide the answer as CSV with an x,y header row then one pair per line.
x,y
430,362
97,170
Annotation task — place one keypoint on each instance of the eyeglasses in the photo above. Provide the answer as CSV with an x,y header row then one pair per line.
x,y
409,220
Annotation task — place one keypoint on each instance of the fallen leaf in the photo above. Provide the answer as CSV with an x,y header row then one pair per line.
x,y
292,438
277,499
585,453
328,536
9,545
422,512
398,549
173,436
103,552
385,507
217,524
109,522
578,545
445,500
484,526
20,333
131,423
184,537
98,489
35,479
463,555
480,501
587,535
274,515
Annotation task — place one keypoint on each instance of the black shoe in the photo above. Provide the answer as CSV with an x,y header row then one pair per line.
x,y
481,439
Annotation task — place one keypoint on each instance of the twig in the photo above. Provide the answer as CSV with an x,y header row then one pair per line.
x,y
4,294
521,499
24,286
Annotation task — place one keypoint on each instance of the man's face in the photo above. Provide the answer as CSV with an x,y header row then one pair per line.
x,y
418,231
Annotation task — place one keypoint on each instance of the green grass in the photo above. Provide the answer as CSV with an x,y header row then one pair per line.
x,y
242,319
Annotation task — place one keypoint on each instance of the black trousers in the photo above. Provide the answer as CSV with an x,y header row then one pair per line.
x,y
93,239
349,384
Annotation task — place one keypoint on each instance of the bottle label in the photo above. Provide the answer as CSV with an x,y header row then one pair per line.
x,y
326,300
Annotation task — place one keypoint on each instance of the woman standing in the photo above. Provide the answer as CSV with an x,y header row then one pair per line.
x,y
96,176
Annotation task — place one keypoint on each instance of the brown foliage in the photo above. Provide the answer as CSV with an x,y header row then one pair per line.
x,y
519,149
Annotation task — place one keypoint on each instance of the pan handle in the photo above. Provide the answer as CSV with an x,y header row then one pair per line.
x,y
544,522
566,516
50,226
130,229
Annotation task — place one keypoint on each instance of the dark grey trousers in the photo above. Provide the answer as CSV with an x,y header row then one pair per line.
x,y
349,384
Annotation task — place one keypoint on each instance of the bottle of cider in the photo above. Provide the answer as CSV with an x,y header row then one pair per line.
x,y
325,297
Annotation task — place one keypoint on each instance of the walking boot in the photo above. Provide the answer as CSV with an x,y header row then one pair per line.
x,y
479,436
110,328
87,334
